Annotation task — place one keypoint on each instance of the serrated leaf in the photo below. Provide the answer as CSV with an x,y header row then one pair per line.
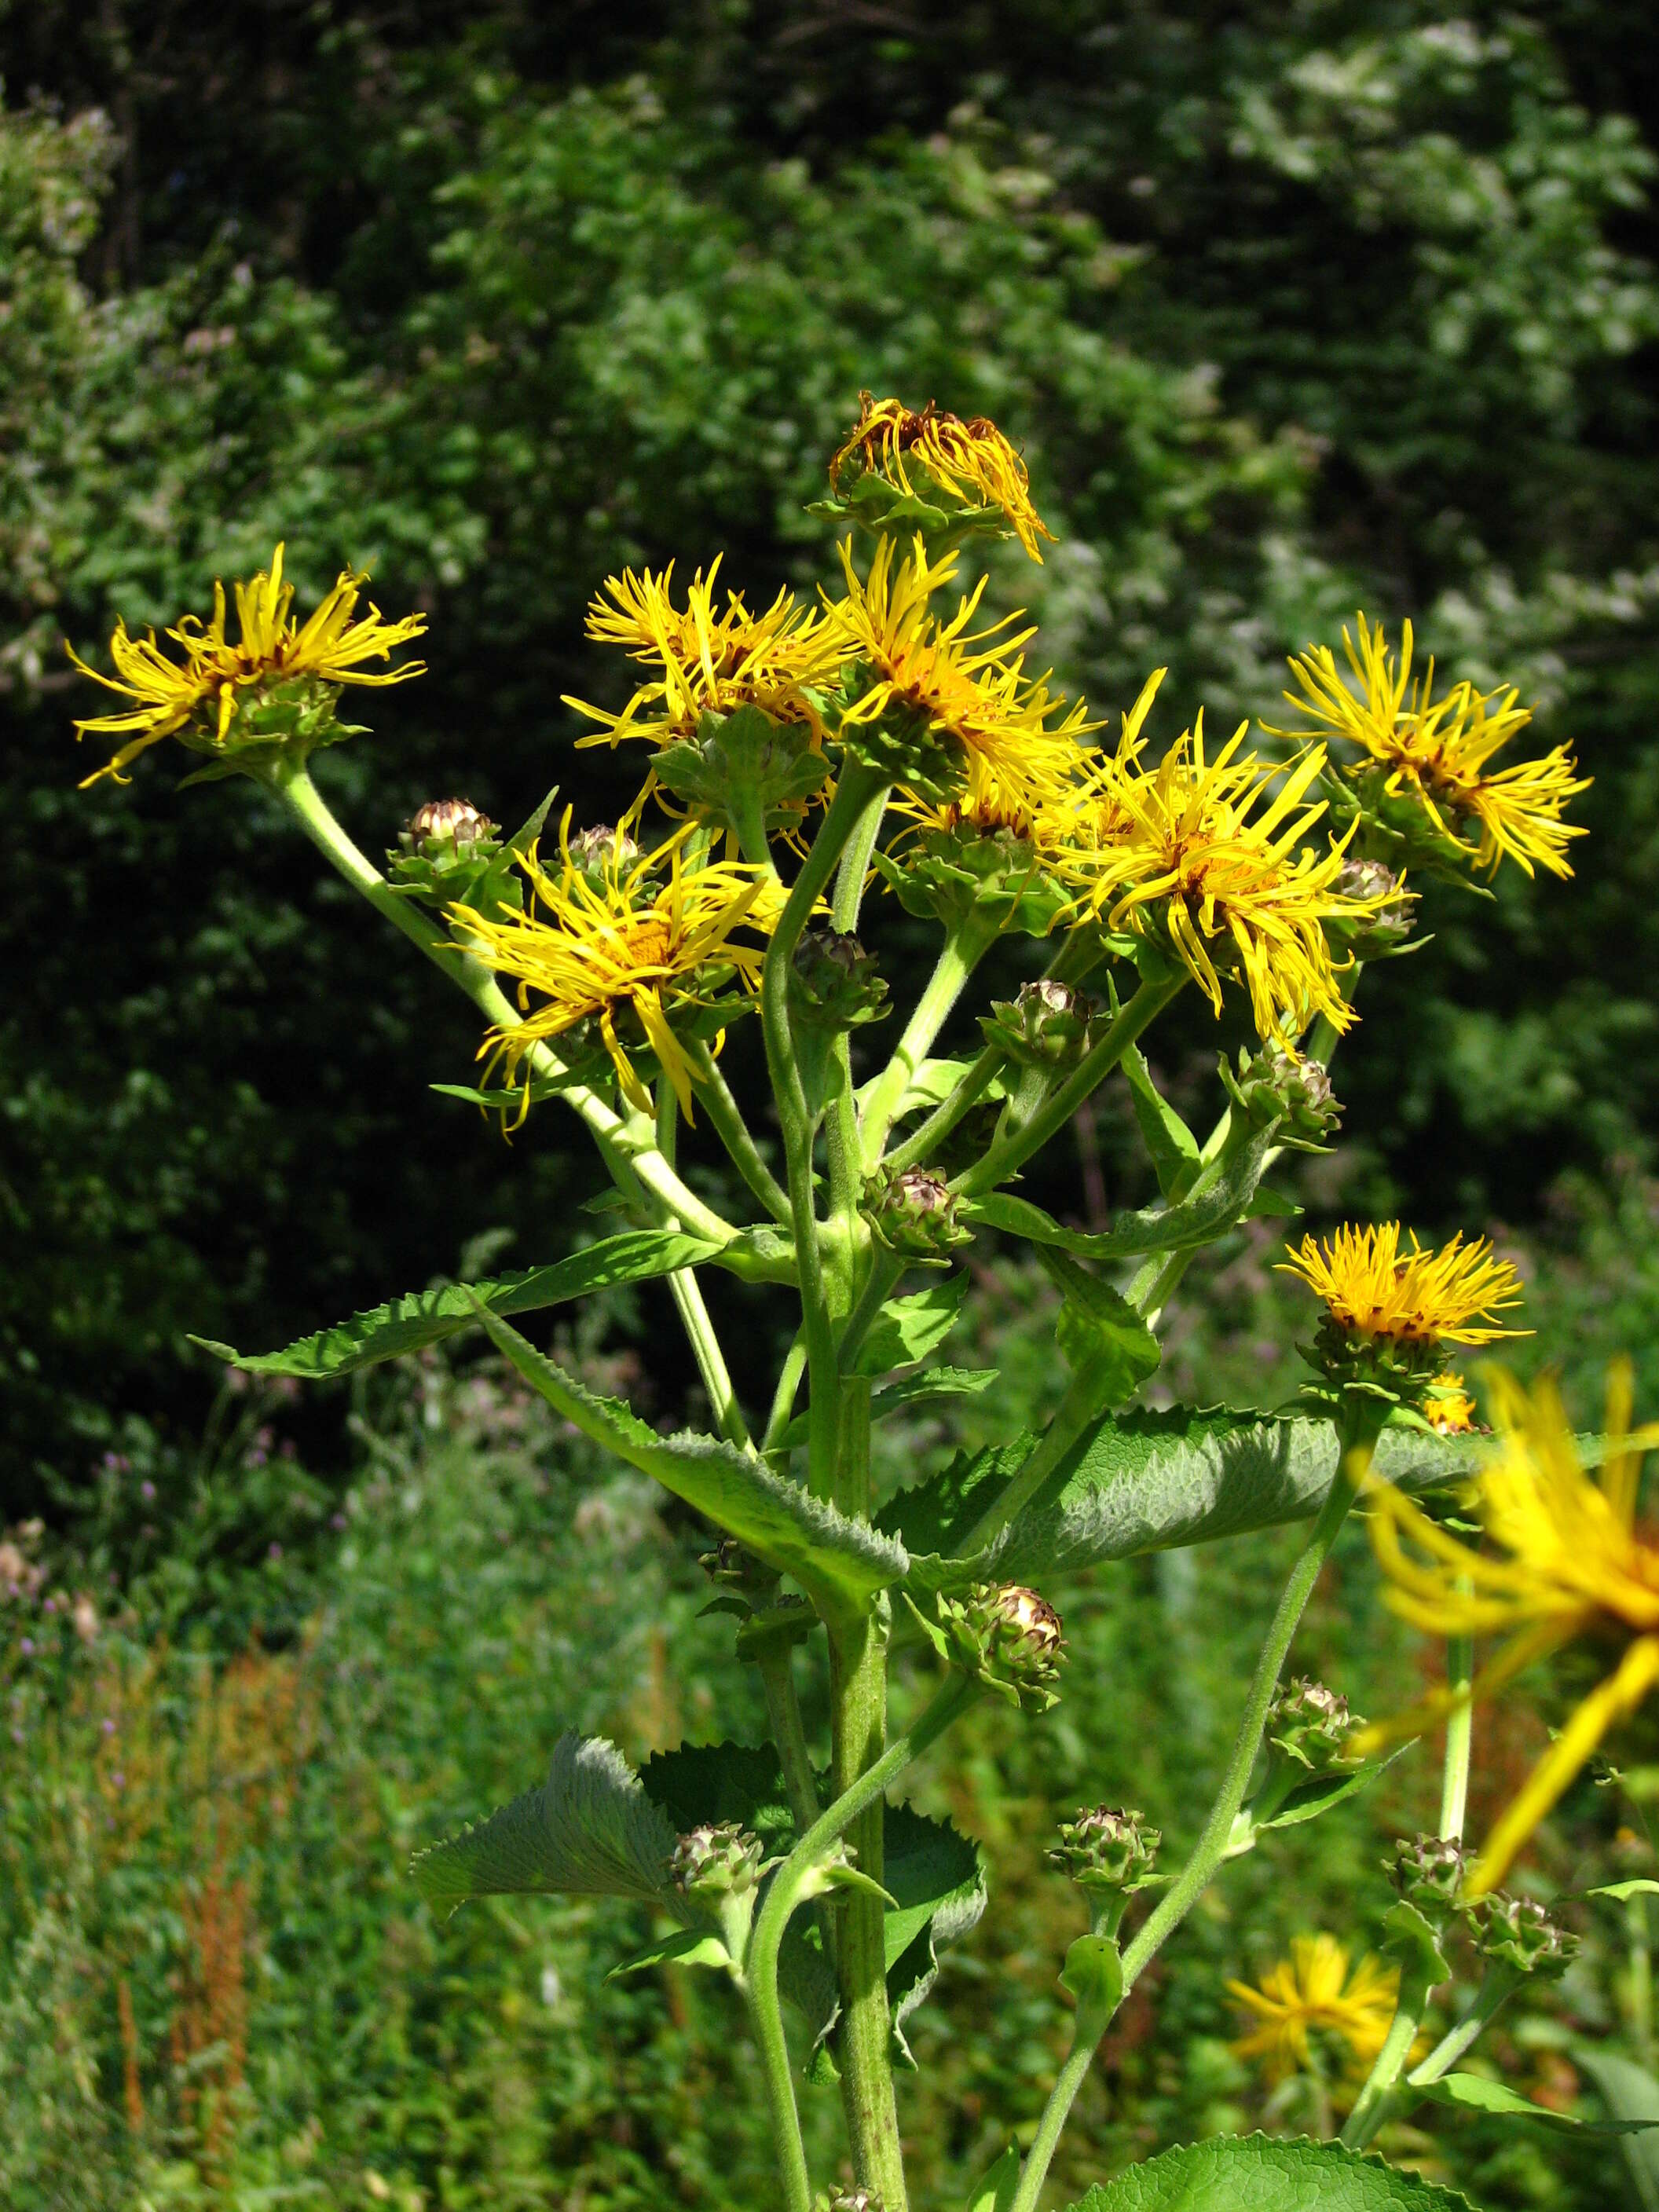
x,y
907,1330
1259,2173
936,1880
589,1831
1474,2093
1173,1147
716,1782
934,1519
1196,1220
686,1946
424,1318
839,1563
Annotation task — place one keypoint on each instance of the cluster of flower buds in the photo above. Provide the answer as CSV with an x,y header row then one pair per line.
x,y
959,866
1311,1725
1428,1872
1107,1848
834,983
714,1862
914,1214
1005,1637
852,2200
744,762
1048,1025
1387,927
1277,1090
1517,1932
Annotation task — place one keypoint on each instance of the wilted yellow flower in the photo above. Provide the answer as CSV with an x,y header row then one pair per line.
x,y
1448,1408
971,463
967,689
197,698
1312,1989
619,939
1564,1560
710,661
1437,750
1412,1299
1184,846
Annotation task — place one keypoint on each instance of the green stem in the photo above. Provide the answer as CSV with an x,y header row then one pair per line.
x,y
855,861
1375,2101
923,1144
1006,1157
965,946
1502,1981
687,1294
1079,1406
783,1397
1357,1436
784,1894
733,1130
885,1271
777,1673
1460,1732
766,2017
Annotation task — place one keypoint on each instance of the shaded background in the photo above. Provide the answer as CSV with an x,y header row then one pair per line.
x,y
1293,309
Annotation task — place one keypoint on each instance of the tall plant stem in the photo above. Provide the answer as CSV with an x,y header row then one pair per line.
x,y
870,2140
726,1115
1362,1423
1460,1732
855,792
1502,1981
965,946
777,1674
1006,1157
694,1316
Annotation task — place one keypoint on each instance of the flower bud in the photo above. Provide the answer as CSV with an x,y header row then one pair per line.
x,y
714,1862
1106,1848
1006,1639
852,2200
1518,1932
1428,1871
442,826
1282,1090
1389,923
834,984
916,1214
603,850
1311,1724
1046,1025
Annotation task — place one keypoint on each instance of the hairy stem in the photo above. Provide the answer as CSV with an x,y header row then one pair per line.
x,y
727,1116
1372,2105
1502,1981
777,1673
965,946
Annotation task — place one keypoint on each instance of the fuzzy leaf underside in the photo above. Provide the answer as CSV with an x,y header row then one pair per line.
x,y
1259,2173
840,1562
424,1318
1147,1481
589,1831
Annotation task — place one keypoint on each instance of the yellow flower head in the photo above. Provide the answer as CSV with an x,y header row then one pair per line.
x,y
971,463
1313,1990
967,689
1411,1300
1437,751
1448,1408
709,661
1564,1559
1202,848
197,698
620,938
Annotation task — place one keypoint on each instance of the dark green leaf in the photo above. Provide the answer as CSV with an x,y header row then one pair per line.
x,y
589,1831
838,1562
425,1317
1259,2173
715,1782
1099,1333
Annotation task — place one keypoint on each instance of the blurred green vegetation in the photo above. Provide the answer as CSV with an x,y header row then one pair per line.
x,y
1293,308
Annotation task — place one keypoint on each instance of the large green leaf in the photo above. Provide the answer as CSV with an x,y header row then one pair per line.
x,y
1194,1220
839,1563
589,1831
1173,1147
1144,1480
424,1318
1099,1333
1258,2173
936,1879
